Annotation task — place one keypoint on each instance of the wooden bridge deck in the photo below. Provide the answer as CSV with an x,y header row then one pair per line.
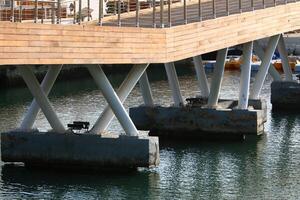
x,y
25,43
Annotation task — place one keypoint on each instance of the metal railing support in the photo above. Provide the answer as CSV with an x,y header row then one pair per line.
x,y
113,100
79,12
36,11
137,13
12,11
52,13
58,19
174,84
169,13
262,72
201,76
227,7
46,86
88,5
162,14
185,12
41,98
200,10
20,12
119,12
214,8
216,82
154,14
245,76
100,12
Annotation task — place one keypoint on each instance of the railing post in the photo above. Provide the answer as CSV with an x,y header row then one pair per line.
x,y
35,11
88,5
119,12
154,12
199,10
20,12
58,12
214,8
128,6
137,11
169,13
162,14
12,11
227,7
240,6
100,12
252,5
52,13
74,13
43,14
184,12
263,2
79,12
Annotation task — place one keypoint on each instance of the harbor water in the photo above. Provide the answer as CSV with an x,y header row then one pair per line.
x,y
257,168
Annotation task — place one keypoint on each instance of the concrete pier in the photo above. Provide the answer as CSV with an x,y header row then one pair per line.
x,y
285,95
195,120
79,151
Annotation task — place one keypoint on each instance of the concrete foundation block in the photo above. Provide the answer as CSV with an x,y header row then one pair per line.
x,y
285,96
85,151
194,121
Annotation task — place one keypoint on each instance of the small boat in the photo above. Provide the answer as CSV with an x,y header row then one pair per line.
x,y
234,62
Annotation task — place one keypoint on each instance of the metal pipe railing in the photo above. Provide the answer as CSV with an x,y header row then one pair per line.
x,y
174,11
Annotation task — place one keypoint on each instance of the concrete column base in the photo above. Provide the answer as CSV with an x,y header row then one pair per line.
x,y
194,120
83,151
285,96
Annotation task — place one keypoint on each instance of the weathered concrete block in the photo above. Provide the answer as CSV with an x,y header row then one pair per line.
x,y
193,121
285,95
79,150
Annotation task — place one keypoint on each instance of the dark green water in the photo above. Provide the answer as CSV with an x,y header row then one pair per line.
x,y
265,168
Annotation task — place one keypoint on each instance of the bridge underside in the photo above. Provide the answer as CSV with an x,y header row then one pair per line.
x,y
25,43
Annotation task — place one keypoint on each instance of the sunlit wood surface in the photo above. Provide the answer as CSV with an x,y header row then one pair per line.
x,y
25,43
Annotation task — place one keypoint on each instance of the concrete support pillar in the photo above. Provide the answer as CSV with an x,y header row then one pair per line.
x,y
245,76
217,79
258,50
146,89
34,108
174,83
113,100
201,76
41,98
284,59
262,72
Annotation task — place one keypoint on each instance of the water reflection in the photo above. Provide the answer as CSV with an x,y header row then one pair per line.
x,y
36,184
